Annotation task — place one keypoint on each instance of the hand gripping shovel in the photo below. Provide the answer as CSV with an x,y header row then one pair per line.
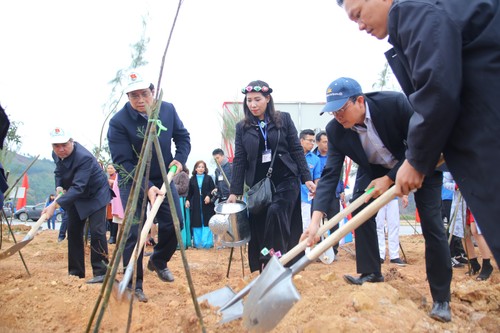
x,y
274,294
230,303
28,238
129,271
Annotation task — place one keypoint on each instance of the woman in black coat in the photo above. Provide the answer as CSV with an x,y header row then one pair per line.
x,y
199,200
277,229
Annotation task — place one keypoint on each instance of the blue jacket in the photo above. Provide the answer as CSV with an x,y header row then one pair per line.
x,y
126,135
84,180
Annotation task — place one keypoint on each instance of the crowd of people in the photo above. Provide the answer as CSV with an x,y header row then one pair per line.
x,y
450,81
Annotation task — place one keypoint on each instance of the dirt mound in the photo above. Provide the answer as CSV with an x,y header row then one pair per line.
x,y
50,300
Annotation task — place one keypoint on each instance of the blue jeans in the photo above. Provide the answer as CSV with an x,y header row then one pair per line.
x,y
64,226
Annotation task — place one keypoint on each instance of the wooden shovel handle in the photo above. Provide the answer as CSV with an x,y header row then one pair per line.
x,y
154,210
326,226
355,222
38,223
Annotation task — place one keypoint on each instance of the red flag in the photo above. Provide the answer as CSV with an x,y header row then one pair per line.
x,y
21,202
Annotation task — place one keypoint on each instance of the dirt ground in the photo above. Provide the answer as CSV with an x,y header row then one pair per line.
x,y
52,301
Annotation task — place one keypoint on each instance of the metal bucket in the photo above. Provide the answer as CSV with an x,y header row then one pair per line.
x,y
233,226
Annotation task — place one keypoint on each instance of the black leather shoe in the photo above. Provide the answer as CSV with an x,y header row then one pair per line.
x,y
60,239
441,311
164,274
398,262
112,240
96,279
141,296
363,278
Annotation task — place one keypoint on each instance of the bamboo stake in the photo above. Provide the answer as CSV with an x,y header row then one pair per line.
x,y
177,226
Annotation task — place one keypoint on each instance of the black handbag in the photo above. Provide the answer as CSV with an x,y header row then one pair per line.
x,y
260,195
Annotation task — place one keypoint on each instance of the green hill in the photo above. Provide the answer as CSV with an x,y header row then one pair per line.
x,y
40,176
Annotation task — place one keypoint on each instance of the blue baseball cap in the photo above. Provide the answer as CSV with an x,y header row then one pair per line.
x,y
338,92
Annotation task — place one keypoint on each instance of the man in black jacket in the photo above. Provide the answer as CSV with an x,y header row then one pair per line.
x,y
86,195
125,138
446,57
372,129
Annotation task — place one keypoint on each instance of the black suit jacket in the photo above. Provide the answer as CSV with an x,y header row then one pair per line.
x,y
84,180
290,152
390,112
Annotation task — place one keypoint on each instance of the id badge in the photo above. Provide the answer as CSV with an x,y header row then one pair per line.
x,y
266,156
221,178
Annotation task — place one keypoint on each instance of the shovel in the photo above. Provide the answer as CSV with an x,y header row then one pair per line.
x,y
28,238
230,303
274,294
129,271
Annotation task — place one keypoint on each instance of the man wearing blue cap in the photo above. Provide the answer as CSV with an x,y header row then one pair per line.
x,y
372,129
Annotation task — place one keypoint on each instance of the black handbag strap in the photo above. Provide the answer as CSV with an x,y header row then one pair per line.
x,y
270,170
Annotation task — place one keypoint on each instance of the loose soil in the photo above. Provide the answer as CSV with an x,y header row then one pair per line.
x,y
51,301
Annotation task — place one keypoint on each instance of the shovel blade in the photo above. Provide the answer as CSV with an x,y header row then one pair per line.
x,y
127,277
270,298
220,298
14,248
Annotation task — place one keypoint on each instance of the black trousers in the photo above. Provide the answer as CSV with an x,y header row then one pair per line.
x,y
98,243
334,210
167,241
437,251
279,227
366,243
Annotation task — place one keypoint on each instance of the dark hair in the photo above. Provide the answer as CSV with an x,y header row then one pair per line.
x,y
319,135
194,173
273,115
305,133
218,151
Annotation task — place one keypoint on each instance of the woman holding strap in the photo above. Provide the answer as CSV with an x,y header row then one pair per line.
x,y
278,228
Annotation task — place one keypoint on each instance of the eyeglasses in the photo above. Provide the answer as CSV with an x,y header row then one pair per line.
x,y
342,109
137,96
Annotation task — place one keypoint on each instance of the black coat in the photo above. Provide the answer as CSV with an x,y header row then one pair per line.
x,y
390,112
446,57
126,135
84,180
290,152
197,201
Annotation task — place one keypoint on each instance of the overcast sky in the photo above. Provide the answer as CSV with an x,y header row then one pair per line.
x,y
58,58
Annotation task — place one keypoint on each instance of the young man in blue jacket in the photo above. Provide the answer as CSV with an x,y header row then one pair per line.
x,y
125,137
